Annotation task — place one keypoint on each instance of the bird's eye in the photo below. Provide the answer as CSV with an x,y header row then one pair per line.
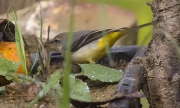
x,y
56,40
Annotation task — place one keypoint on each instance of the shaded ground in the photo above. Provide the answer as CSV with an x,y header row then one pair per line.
x,y
20,95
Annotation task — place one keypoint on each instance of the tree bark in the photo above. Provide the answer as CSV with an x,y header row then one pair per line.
x,y
161,60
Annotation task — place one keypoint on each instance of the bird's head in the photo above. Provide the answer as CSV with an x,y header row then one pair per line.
x,y
58,39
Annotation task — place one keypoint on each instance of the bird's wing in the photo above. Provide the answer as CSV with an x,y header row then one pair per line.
x,y
87,38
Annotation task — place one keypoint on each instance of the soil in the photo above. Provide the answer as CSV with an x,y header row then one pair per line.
x,y
20,95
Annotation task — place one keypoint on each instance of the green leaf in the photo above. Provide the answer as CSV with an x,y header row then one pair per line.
x,y
19,42
7,66
102,73
79,90
52,82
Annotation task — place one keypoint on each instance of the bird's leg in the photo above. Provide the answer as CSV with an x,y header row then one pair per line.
x,y
91,61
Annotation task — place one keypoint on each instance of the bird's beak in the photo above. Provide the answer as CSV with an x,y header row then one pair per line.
x,y
50,42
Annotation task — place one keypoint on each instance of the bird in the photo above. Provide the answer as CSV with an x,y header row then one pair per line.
x,y
88,46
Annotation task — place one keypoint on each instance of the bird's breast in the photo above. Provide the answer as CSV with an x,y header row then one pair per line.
x,y
88,53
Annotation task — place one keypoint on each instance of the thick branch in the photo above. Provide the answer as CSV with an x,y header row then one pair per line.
x,y
161,59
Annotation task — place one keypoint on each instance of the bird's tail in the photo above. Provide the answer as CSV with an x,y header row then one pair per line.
x,y
128,30
141,26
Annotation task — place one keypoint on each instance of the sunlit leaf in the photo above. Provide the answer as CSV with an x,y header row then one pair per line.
x,y
79,90
102,73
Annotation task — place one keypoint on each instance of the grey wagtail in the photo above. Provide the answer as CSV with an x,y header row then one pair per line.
x,y
88,46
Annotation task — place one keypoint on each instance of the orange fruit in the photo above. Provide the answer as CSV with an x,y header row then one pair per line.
x,y
8,51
